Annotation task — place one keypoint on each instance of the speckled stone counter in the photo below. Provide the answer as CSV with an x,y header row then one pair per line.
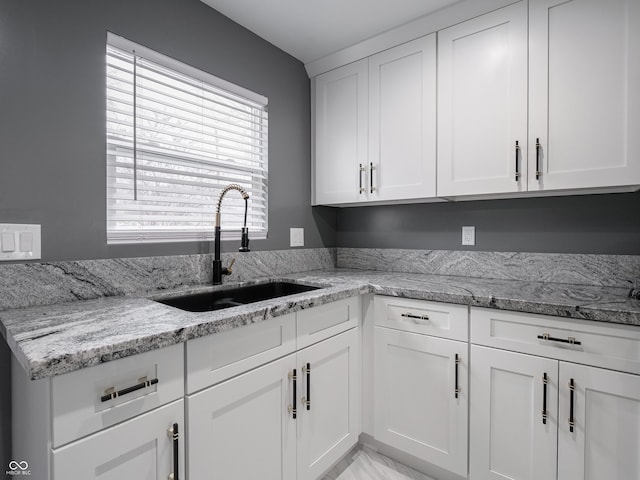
x,y
51,340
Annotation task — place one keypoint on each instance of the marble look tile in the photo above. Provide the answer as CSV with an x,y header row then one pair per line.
x,y
601,270
32,284
364,463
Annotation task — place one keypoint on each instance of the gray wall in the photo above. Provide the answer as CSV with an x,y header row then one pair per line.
x,y
605,224
52,122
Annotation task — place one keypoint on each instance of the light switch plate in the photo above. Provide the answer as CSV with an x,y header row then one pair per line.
x,y
19,241
296,237
468,235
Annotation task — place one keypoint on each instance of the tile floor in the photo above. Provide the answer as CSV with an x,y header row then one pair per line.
x,y
365,463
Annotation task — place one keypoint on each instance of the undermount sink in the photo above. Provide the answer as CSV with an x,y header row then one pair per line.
x,y
233,297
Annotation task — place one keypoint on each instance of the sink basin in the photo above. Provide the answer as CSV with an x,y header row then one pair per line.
x,y
233,297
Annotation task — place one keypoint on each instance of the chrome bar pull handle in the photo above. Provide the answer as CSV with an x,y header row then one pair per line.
x,y
538,151
569,340
456,389
371,169
292,408
174,436
306,369
517,163
111,393
412,315
572,388
362,170
545,381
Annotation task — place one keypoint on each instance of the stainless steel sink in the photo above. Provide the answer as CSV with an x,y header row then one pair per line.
x,y
233,297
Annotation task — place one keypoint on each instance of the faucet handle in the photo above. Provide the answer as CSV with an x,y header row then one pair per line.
x,y
229,270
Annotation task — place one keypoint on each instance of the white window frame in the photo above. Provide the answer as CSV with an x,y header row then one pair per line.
x,y
117,234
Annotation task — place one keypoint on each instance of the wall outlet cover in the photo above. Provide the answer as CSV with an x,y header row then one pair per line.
x,y
468,235
296,237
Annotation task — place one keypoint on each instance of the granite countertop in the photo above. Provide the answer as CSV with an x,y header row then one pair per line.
x,y
56,339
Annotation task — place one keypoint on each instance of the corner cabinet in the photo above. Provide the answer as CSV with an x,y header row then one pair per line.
x,y
544,102
421,379
375,127
553,398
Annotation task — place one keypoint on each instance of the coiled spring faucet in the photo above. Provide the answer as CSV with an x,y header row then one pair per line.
x,y
218,269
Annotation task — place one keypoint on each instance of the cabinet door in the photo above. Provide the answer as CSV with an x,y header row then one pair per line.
x,y
482,103
341,134
606,435
402,121
330,425
508,439
140,448
242,429
416,406
584,96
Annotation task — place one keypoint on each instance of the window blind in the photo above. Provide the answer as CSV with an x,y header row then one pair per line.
x,y
176,137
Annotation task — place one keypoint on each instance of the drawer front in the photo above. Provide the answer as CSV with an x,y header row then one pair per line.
x,y
419,316
318,323
581,341
79,405
215,358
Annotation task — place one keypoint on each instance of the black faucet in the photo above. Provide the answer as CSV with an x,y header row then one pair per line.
x,y
218,269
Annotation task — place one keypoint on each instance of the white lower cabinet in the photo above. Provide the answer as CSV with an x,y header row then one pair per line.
x,y
110,421
245,427
605,441
241,428
421,396
509,438
143,448
329,409
420,376
540,416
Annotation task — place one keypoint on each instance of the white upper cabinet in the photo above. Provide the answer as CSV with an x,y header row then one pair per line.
x,y
583,108
375,127
584,92
534,98
341,98
402,121
482,104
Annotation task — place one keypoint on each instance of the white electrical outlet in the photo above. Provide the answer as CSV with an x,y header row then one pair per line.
x,y
296,237
468,235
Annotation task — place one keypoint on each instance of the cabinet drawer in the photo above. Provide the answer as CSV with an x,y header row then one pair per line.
x,y
430,318
220,356
327,320
77,397
592,343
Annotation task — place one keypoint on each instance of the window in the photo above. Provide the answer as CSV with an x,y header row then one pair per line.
x,y
176,136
